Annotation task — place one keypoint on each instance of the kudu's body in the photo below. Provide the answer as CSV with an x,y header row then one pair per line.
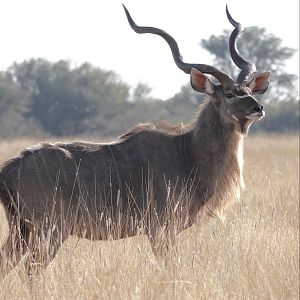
x,y
144,175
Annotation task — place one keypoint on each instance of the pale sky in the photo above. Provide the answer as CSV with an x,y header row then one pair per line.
x,y
97,31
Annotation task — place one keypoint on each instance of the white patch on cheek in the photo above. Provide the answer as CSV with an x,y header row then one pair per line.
x,y
234,117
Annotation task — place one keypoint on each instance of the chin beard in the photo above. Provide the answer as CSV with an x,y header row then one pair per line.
x,y
245,125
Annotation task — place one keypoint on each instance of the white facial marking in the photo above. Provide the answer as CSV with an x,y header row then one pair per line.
x,y
243,96
256,116
234,117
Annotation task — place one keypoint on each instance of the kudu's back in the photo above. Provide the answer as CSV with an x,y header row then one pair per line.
x,y
89,183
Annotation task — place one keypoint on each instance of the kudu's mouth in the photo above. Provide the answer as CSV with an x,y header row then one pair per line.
x,y
256,116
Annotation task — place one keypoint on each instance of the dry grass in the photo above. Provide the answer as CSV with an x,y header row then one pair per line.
x,y
254,254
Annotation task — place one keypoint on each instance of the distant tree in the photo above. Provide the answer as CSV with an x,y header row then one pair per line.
x,y
38,96
70,101
262,48
281,116
14,110
141,92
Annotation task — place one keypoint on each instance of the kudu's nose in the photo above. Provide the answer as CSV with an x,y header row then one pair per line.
x,y
258,108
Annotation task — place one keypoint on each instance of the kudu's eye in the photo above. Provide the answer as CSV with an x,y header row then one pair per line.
x,y
229,95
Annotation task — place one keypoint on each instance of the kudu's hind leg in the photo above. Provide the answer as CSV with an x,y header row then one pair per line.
x,y
162,240
45,245
16,244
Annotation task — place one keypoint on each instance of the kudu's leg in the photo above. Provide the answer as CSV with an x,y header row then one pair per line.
x,y
162,240
45,244
16,244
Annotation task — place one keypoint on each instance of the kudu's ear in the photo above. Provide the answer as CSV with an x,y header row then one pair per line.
x,y
201,83
259,84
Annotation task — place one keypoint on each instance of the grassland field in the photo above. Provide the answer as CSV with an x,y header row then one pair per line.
x,y
252,254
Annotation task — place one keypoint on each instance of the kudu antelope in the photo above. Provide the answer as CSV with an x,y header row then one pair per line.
x,y
53,190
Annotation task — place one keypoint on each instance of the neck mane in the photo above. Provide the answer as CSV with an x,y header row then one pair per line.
x,y
218,155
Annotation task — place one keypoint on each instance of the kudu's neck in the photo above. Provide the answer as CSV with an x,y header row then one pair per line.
x,y
217,151
213,134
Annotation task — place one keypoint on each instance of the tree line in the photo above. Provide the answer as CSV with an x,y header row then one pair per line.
x,y
39,97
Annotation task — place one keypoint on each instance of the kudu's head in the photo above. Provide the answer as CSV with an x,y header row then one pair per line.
x,y
234,100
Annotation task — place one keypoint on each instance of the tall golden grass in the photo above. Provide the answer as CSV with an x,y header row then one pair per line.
x,y
252,254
